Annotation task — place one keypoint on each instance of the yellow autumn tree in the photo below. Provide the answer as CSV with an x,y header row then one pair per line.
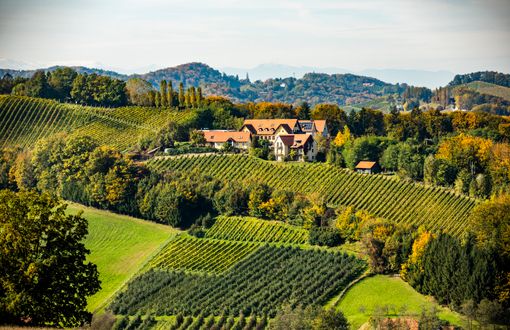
x,y
465,151
342,137
419,246
351,223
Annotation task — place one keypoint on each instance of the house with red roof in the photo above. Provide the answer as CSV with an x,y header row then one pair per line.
x,y
367,167
218,138
301,147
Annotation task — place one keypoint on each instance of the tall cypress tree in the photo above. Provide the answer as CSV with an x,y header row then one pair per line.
x,y
199,96
192,96
187,99
170,94
181,95
163,92
157,100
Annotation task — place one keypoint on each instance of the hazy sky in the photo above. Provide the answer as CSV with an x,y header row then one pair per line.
x,y
132,36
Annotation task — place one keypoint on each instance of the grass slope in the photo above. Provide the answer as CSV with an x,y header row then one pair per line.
x,y
119,246
488,88
24,120
383,290
385,197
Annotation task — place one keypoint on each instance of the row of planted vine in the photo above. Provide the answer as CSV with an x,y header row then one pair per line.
x,y
201,322
256,230
386,197
201,255
25,120
259,284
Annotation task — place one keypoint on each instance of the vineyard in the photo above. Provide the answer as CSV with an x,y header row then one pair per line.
x,y
385,197
201,255
258,284
255,230
25,120
211,322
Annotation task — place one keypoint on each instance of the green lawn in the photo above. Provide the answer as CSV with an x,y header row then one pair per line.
x,y
382,290
119,246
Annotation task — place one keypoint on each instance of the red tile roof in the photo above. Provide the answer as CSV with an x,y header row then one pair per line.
x,y
269,126
295,141
365,165
320,125
224,136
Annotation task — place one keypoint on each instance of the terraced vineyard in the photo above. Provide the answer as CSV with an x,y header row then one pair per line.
x,y
24,120
256,230
201,255
385,197
260,283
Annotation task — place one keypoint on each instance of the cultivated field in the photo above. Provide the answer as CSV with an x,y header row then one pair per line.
x,y
201,255
385,197
259,284
24,120
255,230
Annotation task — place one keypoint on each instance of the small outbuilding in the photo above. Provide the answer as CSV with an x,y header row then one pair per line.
x,y
368,167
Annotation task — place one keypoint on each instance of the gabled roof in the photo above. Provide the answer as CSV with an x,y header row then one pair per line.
x,y
300,140
287,140
224,136
269,126
365,165
295,141
307,125
320,125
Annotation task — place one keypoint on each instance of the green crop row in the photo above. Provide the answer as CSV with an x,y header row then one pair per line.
x,y
256,230
385,197
25,120
201,255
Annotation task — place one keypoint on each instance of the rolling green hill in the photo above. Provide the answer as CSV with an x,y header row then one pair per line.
x,y
385,197
488,88
119,246
25,120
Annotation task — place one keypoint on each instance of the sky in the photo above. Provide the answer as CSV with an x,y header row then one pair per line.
x,y
136,36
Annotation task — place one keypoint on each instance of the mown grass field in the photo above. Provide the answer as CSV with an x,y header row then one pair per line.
x,y
119,246
382,290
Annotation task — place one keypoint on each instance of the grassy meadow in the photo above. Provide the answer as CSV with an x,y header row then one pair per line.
x,y
363,298
119,246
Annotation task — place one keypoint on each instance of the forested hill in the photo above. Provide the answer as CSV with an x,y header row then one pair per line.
x,y
78,69
497,78
312,88
191,74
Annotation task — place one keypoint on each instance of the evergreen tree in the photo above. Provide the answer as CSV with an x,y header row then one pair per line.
x,y
182,98
157,99
199,96
170,94
163,93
